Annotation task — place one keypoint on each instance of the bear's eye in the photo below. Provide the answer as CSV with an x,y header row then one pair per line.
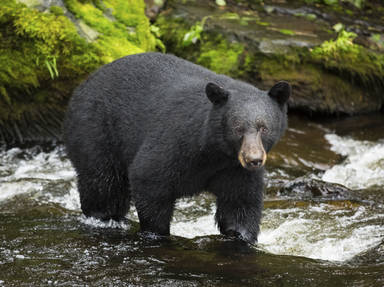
x,y
263,130
240,130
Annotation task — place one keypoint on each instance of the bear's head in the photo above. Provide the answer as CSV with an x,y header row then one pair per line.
x,y
247,120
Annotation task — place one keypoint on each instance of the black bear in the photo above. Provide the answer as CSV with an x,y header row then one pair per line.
x,y
154,128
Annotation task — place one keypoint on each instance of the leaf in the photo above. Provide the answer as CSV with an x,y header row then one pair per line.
x,y
6,97
193,35
221,3
50,69
287,32
55,67
338,27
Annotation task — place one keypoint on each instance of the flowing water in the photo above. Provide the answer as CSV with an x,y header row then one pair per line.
x,y
323,221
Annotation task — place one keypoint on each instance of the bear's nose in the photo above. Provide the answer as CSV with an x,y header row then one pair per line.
x,y
257,162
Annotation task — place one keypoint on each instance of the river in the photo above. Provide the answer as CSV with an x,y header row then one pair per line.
x,y
323,221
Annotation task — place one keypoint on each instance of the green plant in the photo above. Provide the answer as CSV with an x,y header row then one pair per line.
x,y
194,33
287,32
357,3
221,3
343,55
335,48
52,68
43,57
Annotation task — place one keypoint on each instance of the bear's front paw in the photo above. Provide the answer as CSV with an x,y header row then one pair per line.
x,y
241,234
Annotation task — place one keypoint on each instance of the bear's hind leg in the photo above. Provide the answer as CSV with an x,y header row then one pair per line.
x,y
155,214
104,193
152,178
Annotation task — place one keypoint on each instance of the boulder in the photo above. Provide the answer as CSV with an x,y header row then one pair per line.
x,y
48,47
335,68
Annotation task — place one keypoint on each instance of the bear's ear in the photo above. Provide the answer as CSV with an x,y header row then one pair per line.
x,y
216,94
280,92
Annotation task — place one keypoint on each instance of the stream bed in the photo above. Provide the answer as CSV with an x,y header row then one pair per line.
x,y
323,221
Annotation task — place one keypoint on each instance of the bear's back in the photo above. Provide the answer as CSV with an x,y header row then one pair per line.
x,y
141,72
149,87
140,95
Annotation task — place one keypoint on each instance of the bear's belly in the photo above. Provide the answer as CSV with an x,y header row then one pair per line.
x,y
197,178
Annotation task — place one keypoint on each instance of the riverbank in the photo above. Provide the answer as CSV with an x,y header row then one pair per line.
x,y
330,51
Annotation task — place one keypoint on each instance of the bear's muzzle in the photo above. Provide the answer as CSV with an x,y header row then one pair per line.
x,y
252,154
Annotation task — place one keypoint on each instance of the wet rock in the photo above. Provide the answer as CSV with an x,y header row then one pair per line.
x,y
264,44
153,7
306,188
49,46
373,256
87,32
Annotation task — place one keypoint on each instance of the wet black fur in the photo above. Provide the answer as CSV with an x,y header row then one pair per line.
x,y
143,128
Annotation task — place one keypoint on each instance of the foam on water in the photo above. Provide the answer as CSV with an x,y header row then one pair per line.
x,y
26,171
70,200
200,226
10,189
103,224
320,232
363,166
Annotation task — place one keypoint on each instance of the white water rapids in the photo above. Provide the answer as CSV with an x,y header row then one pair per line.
x,y
363,166
318,230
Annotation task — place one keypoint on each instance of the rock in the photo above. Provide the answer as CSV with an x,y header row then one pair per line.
x,y
371,256
291,40
153,7
306,188
87,32
48,46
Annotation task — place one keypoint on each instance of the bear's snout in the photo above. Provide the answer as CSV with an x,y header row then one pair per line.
x,y
254,161
252,154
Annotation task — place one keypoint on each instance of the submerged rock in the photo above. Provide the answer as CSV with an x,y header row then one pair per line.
x,y
307,188
261,43
48,47
374,255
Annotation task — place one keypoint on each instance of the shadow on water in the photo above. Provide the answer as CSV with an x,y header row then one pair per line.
x,y
46,241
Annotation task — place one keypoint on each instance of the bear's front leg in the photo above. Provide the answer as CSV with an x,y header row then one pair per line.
x,y
239,202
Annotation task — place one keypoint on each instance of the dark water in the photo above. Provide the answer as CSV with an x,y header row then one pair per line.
x,y
314,232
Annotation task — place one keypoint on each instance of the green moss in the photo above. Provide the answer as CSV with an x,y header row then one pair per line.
x,y
173,31
342,44
220,55
43,57
32,44
335,77
308,16
128,33
336,4
316,90
287,32
331,2
56,10
338,76
208,50
345,56
357,3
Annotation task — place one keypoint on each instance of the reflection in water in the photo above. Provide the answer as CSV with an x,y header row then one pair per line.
x,y
43,229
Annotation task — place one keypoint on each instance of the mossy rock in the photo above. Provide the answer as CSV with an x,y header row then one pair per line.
x,y
46,50
330,74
